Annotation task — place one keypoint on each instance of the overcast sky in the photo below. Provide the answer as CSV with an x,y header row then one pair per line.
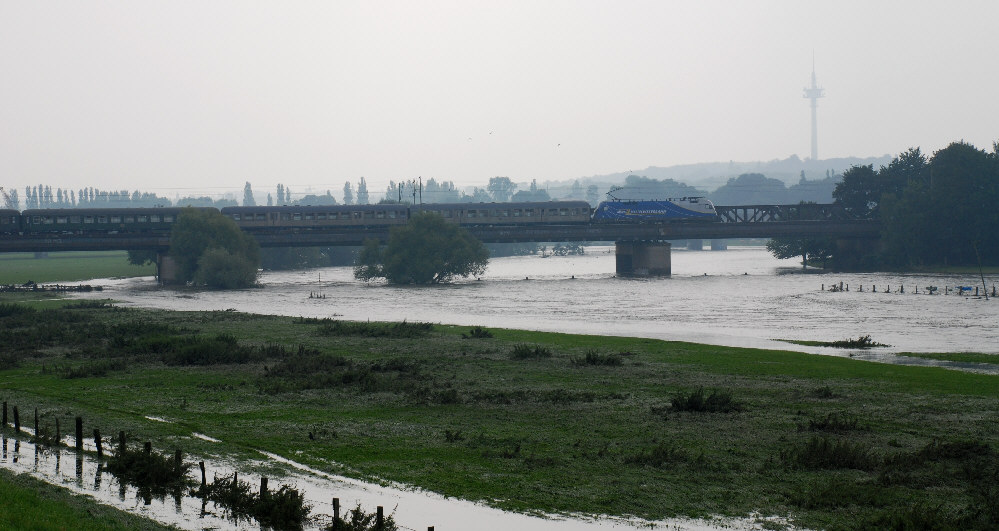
x,y
202,96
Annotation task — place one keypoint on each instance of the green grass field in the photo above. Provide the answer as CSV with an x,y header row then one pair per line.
x,y
18,268
527,420
28,503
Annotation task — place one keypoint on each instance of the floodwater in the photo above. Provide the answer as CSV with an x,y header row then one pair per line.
x,y
411,509
738,297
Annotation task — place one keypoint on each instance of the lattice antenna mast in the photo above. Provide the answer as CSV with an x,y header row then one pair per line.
x,y
814,93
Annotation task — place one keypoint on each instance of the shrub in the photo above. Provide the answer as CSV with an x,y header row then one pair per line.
x,y
824,453
832,422
403,330
148,470
523,351
478,333
593,357
716,402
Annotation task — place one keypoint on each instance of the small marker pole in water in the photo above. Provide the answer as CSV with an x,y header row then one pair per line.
x,y
79,433
379,518
17,420
204,482
263,487
336,512
148,447
97,441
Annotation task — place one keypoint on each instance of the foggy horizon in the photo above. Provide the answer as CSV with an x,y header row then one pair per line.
x,y
187,98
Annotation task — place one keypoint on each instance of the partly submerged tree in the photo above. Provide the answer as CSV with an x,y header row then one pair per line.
x,y
427,250
815,249
211,250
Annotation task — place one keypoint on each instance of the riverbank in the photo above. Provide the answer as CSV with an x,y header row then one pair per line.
x,y
18,268
530,421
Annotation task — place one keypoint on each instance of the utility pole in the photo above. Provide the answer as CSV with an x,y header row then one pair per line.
x,y
814,93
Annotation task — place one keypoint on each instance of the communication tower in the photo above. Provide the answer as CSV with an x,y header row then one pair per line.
x,y
814,93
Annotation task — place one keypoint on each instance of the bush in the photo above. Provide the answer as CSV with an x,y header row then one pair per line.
x,y
824,453
478,333
403,330
524,351
220,269
716,402
593,357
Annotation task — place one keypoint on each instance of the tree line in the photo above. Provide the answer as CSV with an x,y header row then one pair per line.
x,y
935,211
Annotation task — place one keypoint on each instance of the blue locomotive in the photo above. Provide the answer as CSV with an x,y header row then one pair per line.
x,y
656,211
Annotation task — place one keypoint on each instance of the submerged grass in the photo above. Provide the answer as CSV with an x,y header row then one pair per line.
x,y
534,421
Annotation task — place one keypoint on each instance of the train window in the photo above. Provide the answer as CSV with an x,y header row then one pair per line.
x,y
235,217
74,219
167,218
285,216
380,214
517,212
115,219
321,216
552,212
46,220
297,216
102,219
261,217
143,219
391,214
129,219
86,219
61,220
155,218
446,213
369,214
563,211
471,213
309,216
357,215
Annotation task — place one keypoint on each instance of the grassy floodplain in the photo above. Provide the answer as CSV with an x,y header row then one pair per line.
x,y
18,268
32,504
530,421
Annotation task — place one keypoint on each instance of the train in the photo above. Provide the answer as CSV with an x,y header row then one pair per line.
x,y
304,217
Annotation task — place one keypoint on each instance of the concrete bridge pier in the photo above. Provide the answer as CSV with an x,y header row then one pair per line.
x,y
643,259
166,268
719,245
695,245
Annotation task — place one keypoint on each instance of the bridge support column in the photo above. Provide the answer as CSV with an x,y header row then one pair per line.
x,y
719,245
166,268
643,259
695,245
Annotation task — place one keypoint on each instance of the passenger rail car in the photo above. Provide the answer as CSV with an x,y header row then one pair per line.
x,y
10,221
298,217
109,220
667,210
510,213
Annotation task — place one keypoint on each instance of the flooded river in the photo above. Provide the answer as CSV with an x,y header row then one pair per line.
x,y
738,297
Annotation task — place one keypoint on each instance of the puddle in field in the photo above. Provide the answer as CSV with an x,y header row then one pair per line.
x,y
411,509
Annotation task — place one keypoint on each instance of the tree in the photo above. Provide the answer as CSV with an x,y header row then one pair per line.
x,y
348,194
532,194
280,194
248,196
362,192
427,250
806,248
234,255
140,258
501,188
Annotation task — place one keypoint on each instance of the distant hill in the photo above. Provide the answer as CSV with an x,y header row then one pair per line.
x,y
790,180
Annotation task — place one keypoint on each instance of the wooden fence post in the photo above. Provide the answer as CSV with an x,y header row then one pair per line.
x,y
147,447
17,420
79,433
97,442
263,487
336,513
204,482
379,518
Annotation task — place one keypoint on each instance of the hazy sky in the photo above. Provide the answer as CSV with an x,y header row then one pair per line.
x,y
181,96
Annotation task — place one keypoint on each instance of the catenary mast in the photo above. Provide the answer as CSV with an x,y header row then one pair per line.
x,y
814,93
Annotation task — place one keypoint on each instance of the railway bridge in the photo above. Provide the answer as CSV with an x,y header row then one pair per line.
x,y
642,248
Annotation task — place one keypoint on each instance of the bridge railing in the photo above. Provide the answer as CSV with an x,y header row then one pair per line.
x,y
768,213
